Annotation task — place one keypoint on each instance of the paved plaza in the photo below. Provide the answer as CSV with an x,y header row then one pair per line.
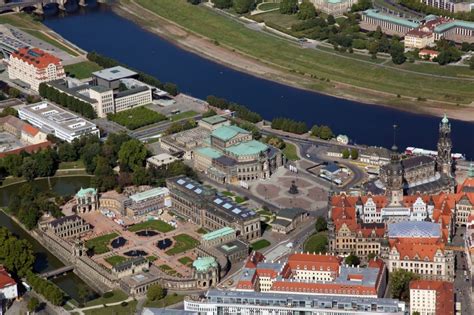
x,y
310,196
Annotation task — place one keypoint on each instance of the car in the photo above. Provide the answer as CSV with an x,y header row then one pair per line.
x,y
308,156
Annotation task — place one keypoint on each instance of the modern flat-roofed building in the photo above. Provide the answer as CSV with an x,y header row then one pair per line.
x,y
34,66
147,201
111,77
131,98
389,24
334,7
207,208
213,122
57,121
184,143
226,302
287,220
161,160
429,297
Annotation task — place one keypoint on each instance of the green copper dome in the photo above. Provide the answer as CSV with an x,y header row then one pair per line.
x,y
204,264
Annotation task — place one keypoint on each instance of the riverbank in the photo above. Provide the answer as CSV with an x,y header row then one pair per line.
x,y
307,69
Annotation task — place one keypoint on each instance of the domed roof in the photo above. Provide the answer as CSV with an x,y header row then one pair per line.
x,y
203,264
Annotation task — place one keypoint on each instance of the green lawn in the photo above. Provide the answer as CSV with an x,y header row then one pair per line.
x,y
290,152
284,21
117,295
157,225
100,244
185,260
316,243
71,165
151,258
136,117
169,271
168,300
115,260
260,244
183,242
240,199
183,115
310,62
82,70
202,230
269,6
114,310
228,193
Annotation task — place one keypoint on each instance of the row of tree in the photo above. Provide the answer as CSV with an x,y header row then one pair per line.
x,y
70,102
241,111
107,62
239,6
322,132
43,163
46,288
304,11
179,126
353,154
289,125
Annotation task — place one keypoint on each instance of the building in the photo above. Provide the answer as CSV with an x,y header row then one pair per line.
x,y
420,247
288,219
8,286
451,5
183,144
69,226
232,155
377,156
87,200
131,98
111,77
218,237
130,267
34,66
57,121
213,122
224,242
113,201
207,208
428,53
160,160
428,297
423,36
333,7
389,24
335,151
142,203
456,31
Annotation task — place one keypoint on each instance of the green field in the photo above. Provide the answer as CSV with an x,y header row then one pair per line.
x,y
82,70
202,230
100,243
115,296
168,300
169,271
284,21
157,225
115,260
316,243
183,115
290,152
183,242
136,117
151,258
128,309
269,6
71,165
310,62
185,260
260,244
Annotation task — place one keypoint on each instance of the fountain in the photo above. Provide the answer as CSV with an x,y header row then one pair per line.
x,y
146,233
164,243
293,188
118,242
135,253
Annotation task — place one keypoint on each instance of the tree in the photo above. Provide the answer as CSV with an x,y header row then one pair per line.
x,y
209,113
325,133
331,20
321,224
222,4
140,176
288,6
29,169
345,153
13,164
243,6
307,11
9,111
155,292
400,283
132,154
397,51
371,256
354,154
194,2
471,63
83,293
171,88
67,152
14,93
16,255
352,260
33,304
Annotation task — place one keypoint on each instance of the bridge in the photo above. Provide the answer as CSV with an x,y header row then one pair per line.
x,y
57,272
37,4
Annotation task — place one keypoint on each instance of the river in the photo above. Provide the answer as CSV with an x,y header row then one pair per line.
x,y
46,261
101,30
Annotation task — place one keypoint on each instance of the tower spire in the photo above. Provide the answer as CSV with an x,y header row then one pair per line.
x,y
394,146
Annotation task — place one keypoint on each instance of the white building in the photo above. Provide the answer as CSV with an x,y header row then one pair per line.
x,y
136,97
431,297
34,66
8,287
55,120
160,160
334,7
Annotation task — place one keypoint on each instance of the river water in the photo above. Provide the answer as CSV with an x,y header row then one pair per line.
x,y
100,29
46,261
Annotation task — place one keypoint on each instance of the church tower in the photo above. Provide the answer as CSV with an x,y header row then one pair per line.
x,y
395,176
444,161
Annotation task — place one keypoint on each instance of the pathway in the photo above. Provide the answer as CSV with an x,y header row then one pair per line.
x,y
81,310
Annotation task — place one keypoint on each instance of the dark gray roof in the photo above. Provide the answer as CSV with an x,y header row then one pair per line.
x,y
379,151
163,311
331,167
61,86
129,263
281,222
290,213
225,160
232,247
417,161
63,220
131,91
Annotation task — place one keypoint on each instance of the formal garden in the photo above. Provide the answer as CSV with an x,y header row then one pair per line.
x,y
136,117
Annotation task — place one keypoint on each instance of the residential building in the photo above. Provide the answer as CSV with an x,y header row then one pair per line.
x,y
334,7
57,121
34,66
288,219
451,5
213,122
429,297
160,160
389,24
68,226
142,203
428,53
111,77
335,151
374,156
420,247
207,208
87,200
232,156
8,286
228,302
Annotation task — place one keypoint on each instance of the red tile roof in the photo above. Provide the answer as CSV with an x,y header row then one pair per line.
x,y
314,262
30,129
5,279
444,294
36,57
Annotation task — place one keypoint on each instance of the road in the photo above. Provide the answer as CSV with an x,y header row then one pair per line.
x,y
462,283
